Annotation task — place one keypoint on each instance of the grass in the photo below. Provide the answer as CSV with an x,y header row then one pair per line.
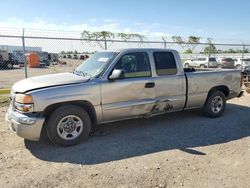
x,y
4,100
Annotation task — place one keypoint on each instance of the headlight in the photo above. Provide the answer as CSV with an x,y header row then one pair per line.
x,y
24,99
24,103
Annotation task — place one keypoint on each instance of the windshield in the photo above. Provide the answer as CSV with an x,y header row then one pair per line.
x,y
95,64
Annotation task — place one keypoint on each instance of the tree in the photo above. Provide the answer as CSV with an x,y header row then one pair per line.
x,y
179,40
99,37
193,41
210,49
130,36
103,36
188,51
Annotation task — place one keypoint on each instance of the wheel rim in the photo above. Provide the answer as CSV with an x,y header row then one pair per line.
x,y
217,104
69,127
186,66
202,66
9,66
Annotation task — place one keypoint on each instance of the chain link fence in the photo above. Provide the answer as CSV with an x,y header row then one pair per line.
x,y
26,53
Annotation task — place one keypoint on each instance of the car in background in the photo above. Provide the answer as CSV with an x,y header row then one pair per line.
x,y
44,59
244,62
75,56
226,62
7,60
204,62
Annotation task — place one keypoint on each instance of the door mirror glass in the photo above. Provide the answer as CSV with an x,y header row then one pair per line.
x,y
117,74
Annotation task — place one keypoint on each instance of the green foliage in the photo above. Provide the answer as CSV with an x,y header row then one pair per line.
x,y
103,36
179,40
188,51
193,41
210,49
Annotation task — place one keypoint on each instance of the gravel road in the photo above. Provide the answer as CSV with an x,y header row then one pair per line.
x,y
182,149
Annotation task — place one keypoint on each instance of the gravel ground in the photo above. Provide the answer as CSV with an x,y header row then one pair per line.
x,y
182,149
9,77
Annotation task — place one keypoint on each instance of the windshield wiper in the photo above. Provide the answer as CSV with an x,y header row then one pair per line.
x,y
81,73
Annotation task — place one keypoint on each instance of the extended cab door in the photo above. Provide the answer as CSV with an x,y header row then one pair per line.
x,y
170,83
132,95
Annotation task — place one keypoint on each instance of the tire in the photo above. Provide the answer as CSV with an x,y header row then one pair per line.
x,y
219,67
9,66
215,104
202,66
186,65
238,67
68,125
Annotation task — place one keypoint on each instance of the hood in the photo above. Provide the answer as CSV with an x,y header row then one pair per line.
x,y
47,81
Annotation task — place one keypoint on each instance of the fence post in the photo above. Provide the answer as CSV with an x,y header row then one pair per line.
x,y
165,44
105,43
242,57
209,54
25,62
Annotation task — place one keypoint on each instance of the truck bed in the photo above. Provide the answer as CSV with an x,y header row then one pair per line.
x,y
201,81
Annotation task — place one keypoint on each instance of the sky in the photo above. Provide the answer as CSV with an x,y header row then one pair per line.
x,y
218,19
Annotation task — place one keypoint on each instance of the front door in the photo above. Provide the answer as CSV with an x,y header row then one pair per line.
x,y
133,95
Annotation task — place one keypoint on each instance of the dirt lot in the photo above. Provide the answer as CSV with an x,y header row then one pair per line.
x,y
176,150
9,77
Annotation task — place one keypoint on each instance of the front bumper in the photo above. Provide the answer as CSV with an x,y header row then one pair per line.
x,y
25,126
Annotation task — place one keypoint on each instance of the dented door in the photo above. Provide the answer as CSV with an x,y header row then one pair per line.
x,y
126,98
133,95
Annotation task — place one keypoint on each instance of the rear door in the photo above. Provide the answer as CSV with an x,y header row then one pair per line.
x,y
133,95
170,88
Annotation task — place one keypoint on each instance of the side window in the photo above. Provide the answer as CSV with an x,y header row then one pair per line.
x,y
134,65
165,63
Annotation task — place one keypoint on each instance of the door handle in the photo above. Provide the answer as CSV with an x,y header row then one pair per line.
x,y
150,85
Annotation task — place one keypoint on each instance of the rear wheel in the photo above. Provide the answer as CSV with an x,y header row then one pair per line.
x,y
238,67
68,125
215,104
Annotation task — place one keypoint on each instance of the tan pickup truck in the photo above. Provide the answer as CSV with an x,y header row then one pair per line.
x,y
112,86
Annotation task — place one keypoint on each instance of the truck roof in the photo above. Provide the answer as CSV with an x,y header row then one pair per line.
x,y
140,49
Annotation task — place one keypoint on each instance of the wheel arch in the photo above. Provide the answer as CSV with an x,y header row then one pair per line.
x,y
86,105
224,89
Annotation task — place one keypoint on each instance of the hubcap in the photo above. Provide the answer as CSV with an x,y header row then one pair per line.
x,y
217,104
69,127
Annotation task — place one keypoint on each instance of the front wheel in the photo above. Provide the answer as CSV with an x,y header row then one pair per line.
x,y
215,104
68,125
202,66
186,65
9,66
219,66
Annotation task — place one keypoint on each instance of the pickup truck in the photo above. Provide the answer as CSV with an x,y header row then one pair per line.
x,y
112,86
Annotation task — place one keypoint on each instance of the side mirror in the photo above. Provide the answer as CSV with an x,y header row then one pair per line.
x,y
117,74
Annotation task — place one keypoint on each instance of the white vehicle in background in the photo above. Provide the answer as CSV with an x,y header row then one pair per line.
x,y
238,62
204,62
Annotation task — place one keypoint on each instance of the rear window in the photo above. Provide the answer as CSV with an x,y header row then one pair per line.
x,y
165,63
